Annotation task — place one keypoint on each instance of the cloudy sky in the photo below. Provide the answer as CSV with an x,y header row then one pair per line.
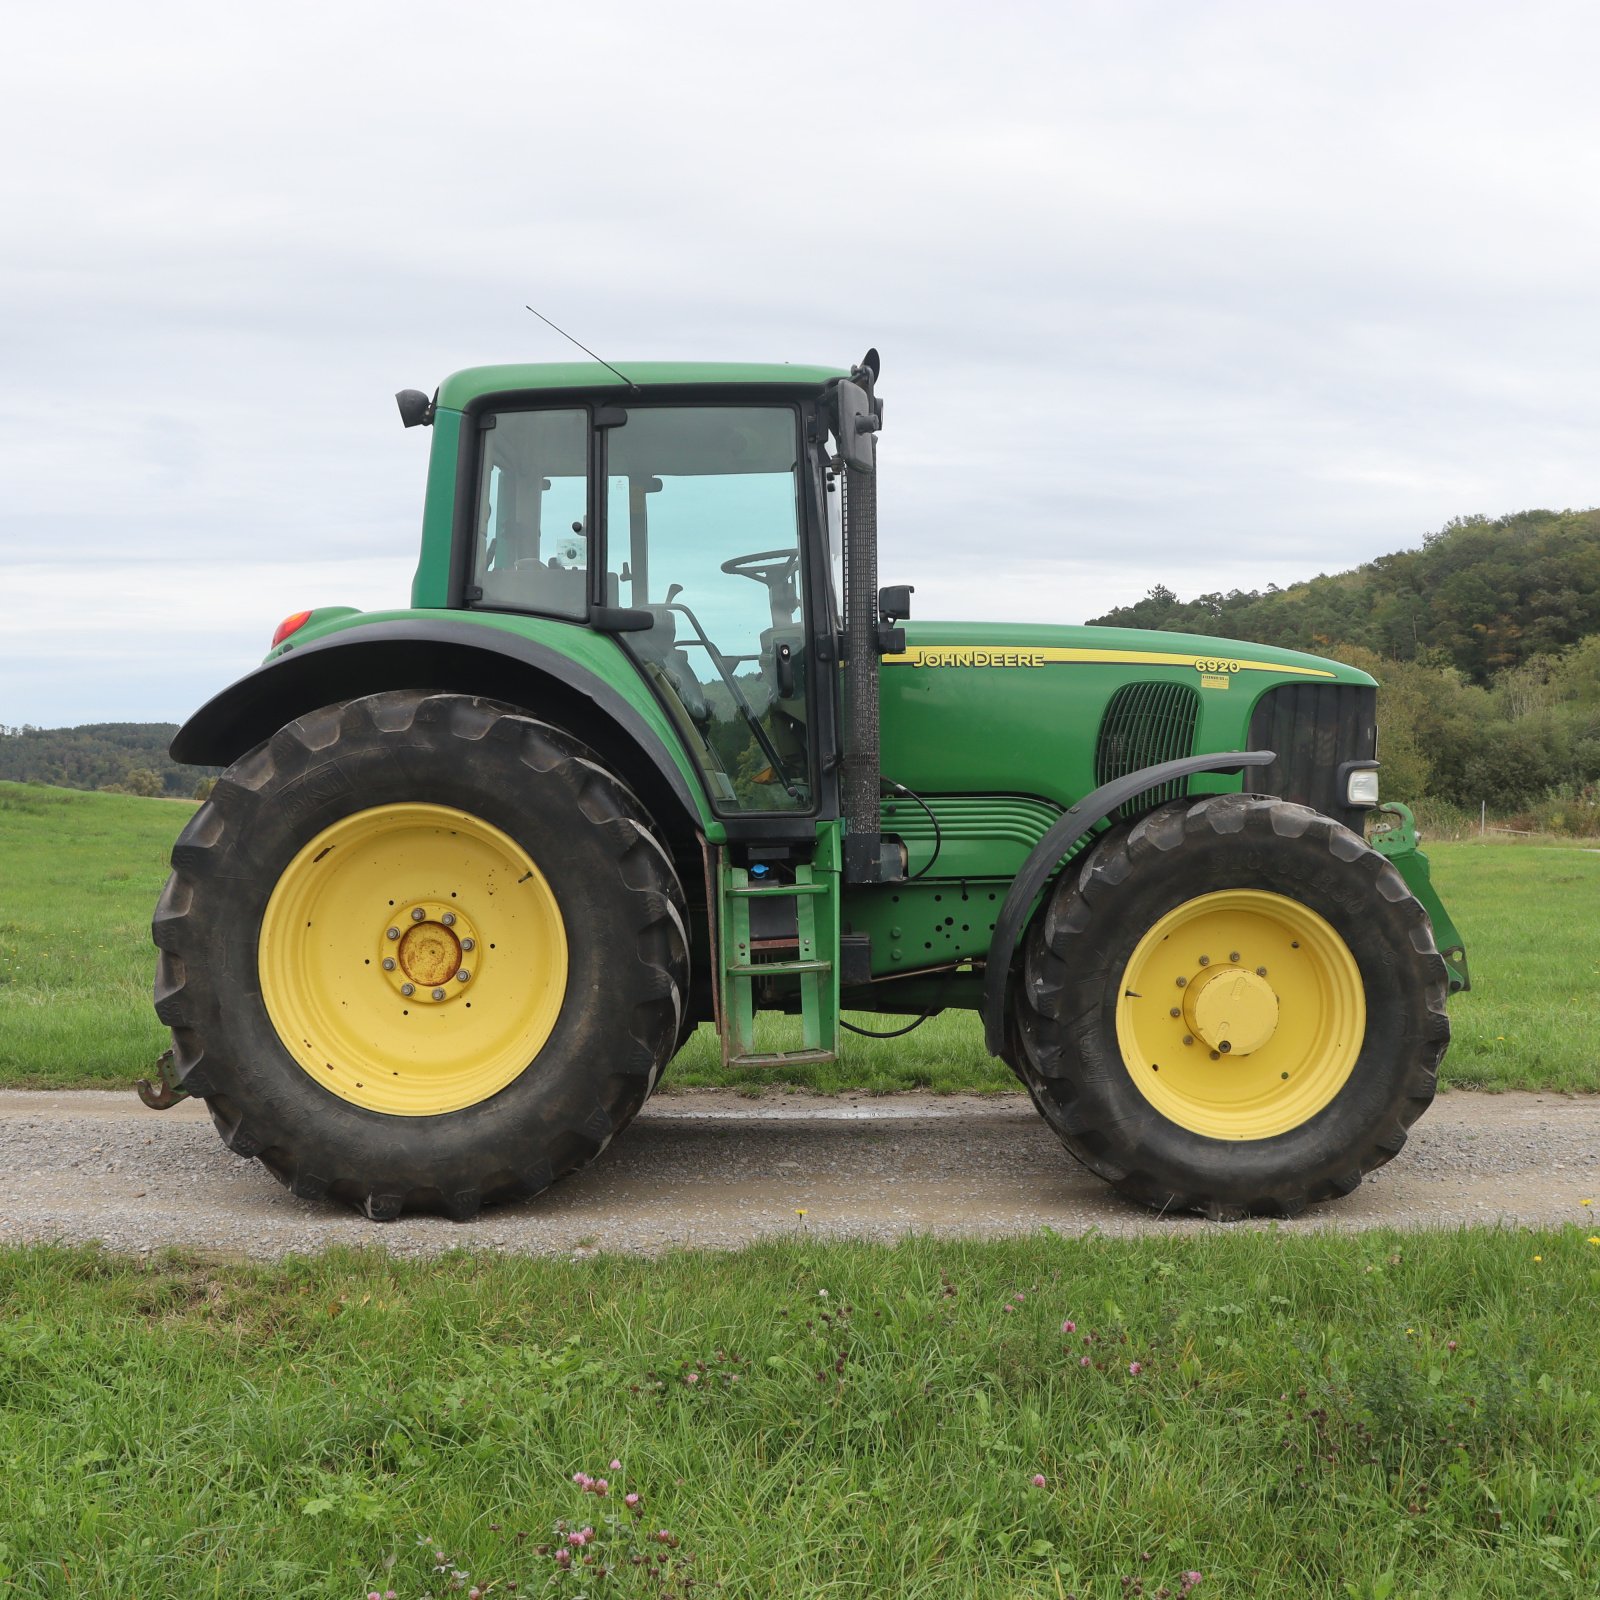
x,y
1208,294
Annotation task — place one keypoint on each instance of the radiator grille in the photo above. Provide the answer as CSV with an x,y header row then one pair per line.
x,y
1146,723
1315,728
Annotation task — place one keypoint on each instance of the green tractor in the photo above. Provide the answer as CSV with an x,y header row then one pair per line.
x,y
651,748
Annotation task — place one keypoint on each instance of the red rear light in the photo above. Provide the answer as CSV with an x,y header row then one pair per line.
x,y
290,625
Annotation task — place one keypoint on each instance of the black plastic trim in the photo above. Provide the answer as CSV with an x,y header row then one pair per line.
x,y
1046,856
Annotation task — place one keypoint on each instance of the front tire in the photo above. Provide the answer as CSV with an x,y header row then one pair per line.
x,y
1234,1007
420,952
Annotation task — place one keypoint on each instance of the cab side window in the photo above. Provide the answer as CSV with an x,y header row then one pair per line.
x,y
531,550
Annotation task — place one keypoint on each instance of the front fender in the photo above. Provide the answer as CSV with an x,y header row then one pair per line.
x,y
1046,856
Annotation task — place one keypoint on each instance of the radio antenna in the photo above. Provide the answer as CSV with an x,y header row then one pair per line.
x,y
583,347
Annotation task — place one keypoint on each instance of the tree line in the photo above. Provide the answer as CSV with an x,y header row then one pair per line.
x,y
121,757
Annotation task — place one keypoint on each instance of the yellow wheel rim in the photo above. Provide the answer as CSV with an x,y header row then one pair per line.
x,y
413,959
1241,1014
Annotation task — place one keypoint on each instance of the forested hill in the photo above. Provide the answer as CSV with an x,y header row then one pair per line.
x,y
127,756
1480,596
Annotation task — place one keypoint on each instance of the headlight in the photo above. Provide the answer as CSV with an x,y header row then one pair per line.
x,y
1361,787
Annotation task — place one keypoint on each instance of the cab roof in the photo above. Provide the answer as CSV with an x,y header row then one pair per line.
x,y
460,389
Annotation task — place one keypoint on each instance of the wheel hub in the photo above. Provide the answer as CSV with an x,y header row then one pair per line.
x,y
1231,1009
429,952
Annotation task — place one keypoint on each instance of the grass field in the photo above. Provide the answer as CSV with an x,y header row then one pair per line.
x,y
1313,1417
81,873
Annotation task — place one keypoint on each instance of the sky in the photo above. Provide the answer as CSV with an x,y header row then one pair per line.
x,y
1206,294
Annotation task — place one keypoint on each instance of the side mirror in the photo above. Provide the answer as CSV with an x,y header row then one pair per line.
x,y
416,408
894,602
857,424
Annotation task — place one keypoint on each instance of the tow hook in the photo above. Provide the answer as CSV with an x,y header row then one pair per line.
x,y
170,1092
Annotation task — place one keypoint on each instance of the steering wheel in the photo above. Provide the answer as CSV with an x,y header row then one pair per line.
x,y
763,565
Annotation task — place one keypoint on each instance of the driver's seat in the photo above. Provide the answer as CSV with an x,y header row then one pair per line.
x,y
657,647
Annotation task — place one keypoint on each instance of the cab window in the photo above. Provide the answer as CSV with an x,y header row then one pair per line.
x,y
531,550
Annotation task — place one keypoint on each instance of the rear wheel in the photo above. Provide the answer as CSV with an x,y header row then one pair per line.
x,y
420,952
1235,1006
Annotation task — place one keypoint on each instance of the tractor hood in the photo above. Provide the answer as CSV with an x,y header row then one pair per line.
x,y
1020,709
1034,645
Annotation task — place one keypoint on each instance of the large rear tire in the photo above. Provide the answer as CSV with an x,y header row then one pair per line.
x,y
1234,1007
420,952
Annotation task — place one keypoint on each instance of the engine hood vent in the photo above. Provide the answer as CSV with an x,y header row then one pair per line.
x,y
1146,723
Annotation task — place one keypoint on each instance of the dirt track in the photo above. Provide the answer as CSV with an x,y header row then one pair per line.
x,y
715,1169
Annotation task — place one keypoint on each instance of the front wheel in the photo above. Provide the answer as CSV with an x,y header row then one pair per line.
x,y
1234,1007
419,952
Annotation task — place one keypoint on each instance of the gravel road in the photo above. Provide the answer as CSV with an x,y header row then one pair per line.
x,y
707,1168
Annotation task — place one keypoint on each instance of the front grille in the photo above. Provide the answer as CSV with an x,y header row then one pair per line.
x,y
1146,723
1315,728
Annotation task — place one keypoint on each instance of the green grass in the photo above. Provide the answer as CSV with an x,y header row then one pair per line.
x,y
1312,1413
80,879
83,872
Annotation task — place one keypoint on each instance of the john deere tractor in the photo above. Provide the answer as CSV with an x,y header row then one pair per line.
x,y
650,747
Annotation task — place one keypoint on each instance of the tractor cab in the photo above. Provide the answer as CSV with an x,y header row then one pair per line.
x,y
679,528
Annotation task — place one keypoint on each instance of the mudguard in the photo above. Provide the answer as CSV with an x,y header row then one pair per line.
x,y
1046,856
453,657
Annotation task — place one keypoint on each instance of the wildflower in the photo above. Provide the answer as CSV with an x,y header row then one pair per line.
x,y
563,1558
474,1593
1450,1344
1538,1258
1038,1480
1008,1309
616,1466
1083,1361
601,1486
691,1377
1069,1326
1135,1368
1594,1238
1586,1202
1189,1580
799,1211
822,1294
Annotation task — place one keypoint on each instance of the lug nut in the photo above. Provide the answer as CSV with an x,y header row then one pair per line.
x,y
408,988
388,963
1176,1011
463,976
1233,955
1261,972
1188,1038
448,919
393,933
1182,982
469,944
417,914
438,994
1205,961
1215,1056
1224,1047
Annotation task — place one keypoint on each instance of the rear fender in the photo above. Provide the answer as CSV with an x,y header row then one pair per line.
x,y
459,658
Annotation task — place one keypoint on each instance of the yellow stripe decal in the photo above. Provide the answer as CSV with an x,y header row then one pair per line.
x,y
993,655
